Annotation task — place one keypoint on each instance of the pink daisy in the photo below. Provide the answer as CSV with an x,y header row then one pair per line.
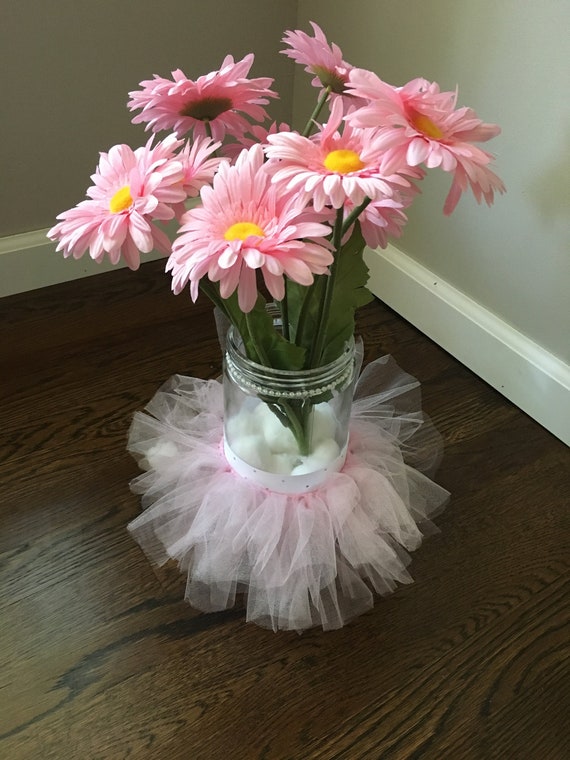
x,y
330,168
246,224
257,134
215,104
419,124
199,167
384,218
131,189
320,58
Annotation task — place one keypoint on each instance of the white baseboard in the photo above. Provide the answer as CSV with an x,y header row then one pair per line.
x,y
29,261
531,377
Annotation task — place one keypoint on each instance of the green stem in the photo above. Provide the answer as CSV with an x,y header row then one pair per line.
x,y
340,229
326,297
257,347
318,108
297,425
284,307
304,310
296,422
209,290
354,214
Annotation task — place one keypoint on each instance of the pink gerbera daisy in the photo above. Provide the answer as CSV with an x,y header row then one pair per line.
x,y
419,124
215,104
131,189
199,167
257,134
246,224
330,167
384,218
322,59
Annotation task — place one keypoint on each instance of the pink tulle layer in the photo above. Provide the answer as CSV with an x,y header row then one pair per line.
x,y
301,560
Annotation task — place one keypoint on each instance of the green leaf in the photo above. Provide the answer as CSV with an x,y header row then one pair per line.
x,y
263,343
304,310
350,293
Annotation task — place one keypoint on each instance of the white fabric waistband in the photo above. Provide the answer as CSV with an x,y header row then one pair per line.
x,y
289,484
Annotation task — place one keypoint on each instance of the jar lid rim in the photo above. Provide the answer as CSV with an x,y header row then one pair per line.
x,y
233,348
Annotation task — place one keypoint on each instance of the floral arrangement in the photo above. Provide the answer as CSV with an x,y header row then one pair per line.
x,y
306,501
281,212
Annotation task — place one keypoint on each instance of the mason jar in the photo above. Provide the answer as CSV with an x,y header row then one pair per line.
x,y
286,430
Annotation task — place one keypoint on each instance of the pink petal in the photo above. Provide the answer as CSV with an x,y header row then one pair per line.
x,y
418,150
247,290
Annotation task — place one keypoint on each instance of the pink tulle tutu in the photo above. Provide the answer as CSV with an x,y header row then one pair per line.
x,y
301,560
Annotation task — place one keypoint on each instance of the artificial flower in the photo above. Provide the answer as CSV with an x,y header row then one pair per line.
x,y
131,189
381,219
256,135
199,164
215,104
246,223
420,124
320,58
277,205
330,168
199,167
384,218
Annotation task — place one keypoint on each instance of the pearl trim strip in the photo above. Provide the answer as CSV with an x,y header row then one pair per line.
x,y
261,390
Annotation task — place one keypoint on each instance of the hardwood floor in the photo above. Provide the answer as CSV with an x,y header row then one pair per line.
x,y
101,658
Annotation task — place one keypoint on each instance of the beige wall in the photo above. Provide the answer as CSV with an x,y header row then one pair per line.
x,y
510,59
67,66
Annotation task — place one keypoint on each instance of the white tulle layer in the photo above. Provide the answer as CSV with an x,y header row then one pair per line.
x,y
301,560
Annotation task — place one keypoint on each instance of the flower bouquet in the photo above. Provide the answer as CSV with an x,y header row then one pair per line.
x,y
289,482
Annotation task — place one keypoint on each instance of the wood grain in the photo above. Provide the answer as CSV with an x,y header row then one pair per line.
x,y
100,658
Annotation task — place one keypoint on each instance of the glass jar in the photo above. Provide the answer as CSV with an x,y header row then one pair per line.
x,y
286,429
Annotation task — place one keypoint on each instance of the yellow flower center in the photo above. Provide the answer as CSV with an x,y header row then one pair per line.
x,y
343,161
243,230
121,200
424,124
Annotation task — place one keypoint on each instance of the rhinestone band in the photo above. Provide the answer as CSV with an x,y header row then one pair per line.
x,y
239,378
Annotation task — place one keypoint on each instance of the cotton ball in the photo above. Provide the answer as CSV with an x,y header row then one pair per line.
x,y
326,452
307,466
159,455
282,464
324,422
239,424
323,455
279,438
252,449
260,412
